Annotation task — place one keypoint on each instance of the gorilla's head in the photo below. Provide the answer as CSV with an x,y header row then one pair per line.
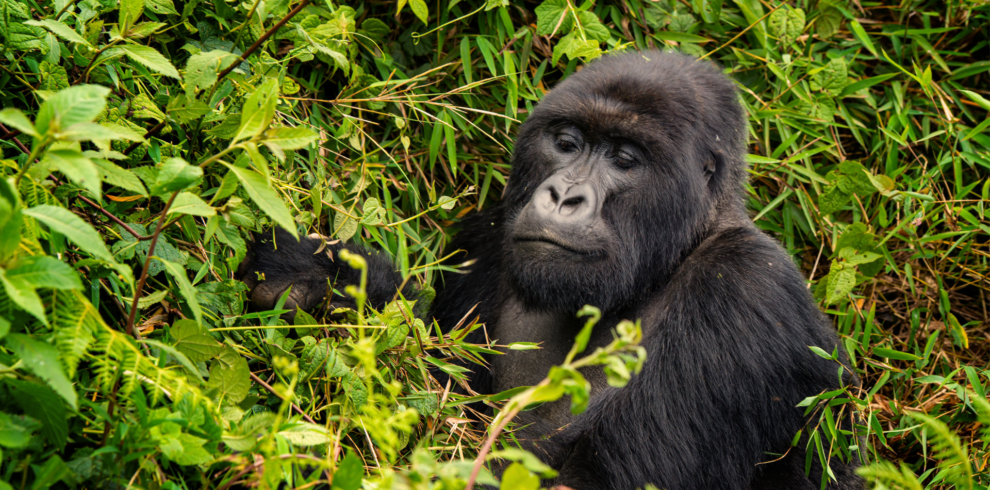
x,y
620,172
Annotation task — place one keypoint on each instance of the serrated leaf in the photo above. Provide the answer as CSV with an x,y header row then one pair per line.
x,y
42,360
203,68
44,405
130,11
77,168
191,204
76,104
151,58
119,177
229,375
258,110
593,27
840,282
16,119
786,24
344,227
23,294
175,174
41,271
186,110
194,340
828,21
265,198
73,227
61,30
89,131
161,7
548,18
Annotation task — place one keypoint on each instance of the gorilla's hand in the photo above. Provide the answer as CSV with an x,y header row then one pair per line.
x,y
275,261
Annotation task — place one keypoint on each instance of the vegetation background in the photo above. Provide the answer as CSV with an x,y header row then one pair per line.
x,y
143,140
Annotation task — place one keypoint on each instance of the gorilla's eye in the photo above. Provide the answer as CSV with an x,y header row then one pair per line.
x,y
566,143
625,160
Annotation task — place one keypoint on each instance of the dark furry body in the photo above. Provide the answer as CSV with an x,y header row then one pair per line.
x,y
727,317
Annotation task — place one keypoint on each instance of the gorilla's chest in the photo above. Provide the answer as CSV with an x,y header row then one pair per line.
x,y
555,333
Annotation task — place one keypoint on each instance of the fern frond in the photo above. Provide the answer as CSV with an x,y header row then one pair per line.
x,y
886,475
952,456
76,322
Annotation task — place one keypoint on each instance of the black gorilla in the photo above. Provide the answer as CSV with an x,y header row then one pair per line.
x,y
626,194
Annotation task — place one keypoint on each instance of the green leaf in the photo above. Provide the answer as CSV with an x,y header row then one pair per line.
x,y
42,271
45,406
305,434
344,227
258,110
42,360
161,7
194,340
144,29
828,21
15,431
862,36
76,104
191,204
23,294
349,473
593,27
548,18
517,477
17,120
90,131
229,375
73,227
185,287
975,97
265,198
130,11
893,354
61,30
150,58
175,174
185,449
186,110
832,200
833,77
289,138
119,177
420,9
840,282
203,68
786,24
681,37
77,168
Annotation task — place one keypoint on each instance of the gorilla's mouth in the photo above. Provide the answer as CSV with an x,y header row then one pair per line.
x,y
555,243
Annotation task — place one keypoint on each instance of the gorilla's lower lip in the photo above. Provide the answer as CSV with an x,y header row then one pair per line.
x,y
553,242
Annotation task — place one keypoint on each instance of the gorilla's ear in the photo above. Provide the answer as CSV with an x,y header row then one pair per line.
x,y
709,169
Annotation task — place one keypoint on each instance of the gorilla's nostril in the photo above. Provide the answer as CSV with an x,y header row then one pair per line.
x,y
554,197
573,202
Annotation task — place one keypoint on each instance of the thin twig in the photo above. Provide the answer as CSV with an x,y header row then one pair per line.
x,y
264,37
129,328
272,391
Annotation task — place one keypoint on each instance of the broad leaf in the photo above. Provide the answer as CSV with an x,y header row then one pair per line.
x,y
73,227
16,119
76,104
23,294
41,271
193,340
191,204
150,58
61,30
185,287
258,110
265,198
77,168
42,359
175,174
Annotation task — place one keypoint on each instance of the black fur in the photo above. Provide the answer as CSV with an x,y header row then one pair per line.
x,y
626,193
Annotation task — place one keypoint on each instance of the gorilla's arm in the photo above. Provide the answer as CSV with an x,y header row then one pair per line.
x,y
276,260
728,361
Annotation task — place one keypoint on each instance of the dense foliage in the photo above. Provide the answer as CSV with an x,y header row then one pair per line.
x,y
143,140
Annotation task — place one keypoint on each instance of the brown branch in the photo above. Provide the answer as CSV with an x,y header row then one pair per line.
x,y
264,37
15,140
129,328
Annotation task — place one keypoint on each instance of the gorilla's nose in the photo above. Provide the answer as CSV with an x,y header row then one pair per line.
x,y
559,199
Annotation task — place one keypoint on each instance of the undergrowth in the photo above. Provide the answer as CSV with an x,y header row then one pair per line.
x,y
143,140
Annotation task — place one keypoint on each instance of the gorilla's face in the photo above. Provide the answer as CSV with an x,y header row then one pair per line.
x,y
614,181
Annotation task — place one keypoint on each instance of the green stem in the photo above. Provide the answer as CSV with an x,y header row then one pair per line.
x,y
30,159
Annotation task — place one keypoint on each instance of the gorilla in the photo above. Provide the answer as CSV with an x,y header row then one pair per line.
x,y
626,193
